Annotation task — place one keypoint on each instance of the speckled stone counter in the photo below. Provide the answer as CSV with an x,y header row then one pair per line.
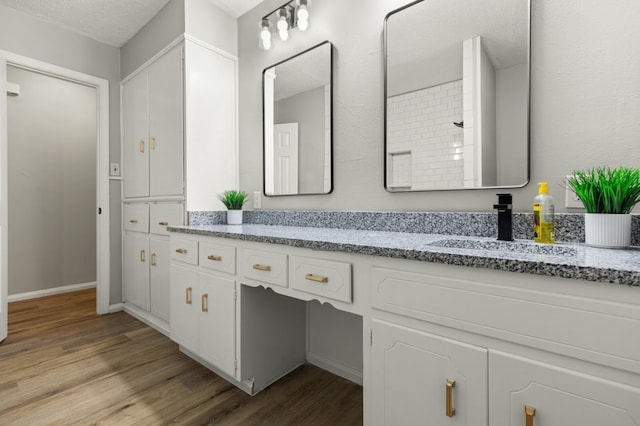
x,y
561,260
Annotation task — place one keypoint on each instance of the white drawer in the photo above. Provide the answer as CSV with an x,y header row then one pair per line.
x,y
264,266
321,277
218,257
163,215
184,250
136,217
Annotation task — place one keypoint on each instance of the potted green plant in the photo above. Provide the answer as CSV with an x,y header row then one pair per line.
x,y
233,201
608,195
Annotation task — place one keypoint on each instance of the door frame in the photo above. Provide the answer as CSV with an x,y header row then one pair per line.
x,y
102,168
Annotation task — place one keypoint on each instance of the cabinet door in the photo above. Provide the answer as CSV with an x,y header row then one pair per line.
x,y
136,269
217,322
183,303
159,277
165,125
559,396
410,374
135,132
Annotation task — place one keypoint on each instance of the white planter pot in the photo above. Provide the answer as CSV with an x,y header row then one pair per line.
x,y
607,230
234,217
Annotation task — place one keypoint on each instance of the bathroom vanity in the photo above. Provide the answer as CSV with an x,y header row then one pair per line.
x,y
451,329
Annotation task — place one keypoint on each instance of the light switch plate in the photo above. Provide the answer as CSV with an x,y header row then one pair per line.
x,y
257,200
115,169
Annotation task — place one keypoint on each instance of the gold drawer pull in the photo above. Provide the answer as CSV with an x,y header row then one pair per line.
x,y
260,267
134,221
449,388
153,259
181,251
141,146
142,256
529,414
316,278
163,223
152,143
213,257
189,294
205,302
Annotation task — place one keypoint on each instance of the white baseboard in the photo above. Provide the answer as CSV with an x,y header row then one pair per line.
x,y
335,367
147,318
50,291
116,307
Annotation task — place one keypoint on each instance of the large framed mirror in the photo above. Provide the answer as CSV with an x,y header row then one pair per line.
x,y
297,110
457,95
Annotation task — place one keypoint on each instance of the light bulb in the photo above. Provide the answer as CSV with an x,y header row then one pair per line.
x,y
303,24
266,43
282,25
284,35
265,35
303,13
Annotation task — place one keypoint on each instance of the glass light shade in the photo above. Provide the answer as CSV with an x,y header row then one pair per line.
x,y
303,13
265,41
284,35
282,24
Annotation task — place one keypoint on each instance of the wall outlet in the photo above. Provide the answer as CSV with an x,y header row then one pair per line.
x,y
115,169
257,200
571,200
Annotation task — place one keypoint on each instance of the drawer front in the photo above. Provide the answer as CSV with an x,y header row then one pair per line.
x,y
163,215
264,266
218,257
136,217
184,250
546,320
326,278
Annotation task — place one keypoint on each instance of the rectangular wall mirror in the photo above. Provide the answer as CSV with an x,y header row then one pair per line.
x,y
457,95
297,116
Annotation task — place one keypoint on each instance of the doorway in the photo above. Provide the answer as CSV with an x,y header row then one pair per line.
x,y
100,180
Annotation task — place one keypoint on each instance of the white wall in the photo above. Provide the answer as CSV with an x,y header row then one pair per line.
x,y
206,22
585,106
165,27
30,37
52,144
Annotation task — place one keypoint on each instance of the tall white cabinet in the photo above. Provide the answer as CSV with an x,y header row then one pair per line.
x,y
179,150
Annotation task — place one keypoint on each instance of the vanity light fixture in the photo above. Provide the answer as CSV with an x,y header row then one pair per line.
x,y
293,14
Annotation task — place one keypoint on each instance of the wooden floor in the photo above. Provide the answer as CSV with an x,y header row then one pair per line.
x,y
62,364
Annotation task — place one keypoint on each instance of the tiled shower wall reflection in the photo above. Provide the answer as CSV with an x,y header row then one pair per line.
x,y
421,136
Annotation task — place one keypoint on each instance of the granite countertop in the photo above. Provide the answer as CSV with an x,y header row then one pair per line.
x,y
561,260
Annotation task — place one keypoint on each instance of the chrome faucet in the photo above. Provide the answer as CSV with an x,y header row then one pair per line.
x,y
505,223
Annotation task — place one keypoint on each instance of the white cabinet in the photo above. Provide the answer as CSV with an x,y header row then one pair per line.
x,y
152,131
554,396
146,257
203,311
542,352
420,378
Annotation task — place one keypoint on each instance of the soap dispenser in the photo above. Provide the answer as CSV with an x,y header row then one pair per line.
x,y
543,216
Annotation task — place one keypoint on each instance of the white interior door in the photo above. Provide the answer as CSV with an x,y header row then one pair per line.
x,y
286,158
3,204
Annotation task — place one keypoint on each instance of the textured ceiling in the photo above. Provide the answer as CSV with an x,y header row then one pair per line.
x,y
112,22
236,8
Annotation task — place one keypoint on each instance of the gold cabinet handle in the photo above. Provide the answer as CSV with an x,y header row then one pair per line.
x,y
188,295
181,251
142,256
153,259
205,302
316,278
163,223
134,221
449,390
141,146
529,414
260,267
152,143
214,257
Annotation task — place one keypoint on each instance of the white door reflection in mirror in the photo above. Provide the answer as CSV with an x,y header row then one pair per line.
x,y
285,158
298,91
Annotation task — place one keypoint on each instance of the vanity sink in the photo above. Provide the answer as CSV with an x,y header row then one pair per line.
x,y
505,246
